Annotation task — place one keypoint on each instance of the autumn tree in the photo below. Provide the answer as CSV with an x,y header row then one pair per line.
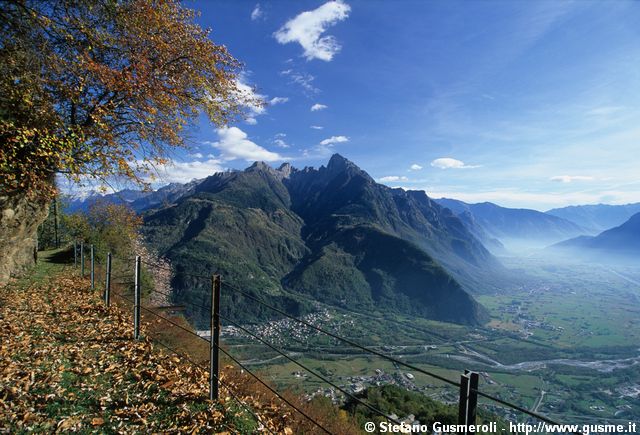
x,y
99,89
109,227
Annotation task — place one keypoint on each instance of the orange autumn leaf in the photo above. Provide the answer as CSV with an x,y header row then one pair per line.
x,y
99,89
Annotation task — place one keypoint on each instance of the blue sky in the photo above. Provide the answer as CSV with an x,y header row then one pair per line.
x,y
524,103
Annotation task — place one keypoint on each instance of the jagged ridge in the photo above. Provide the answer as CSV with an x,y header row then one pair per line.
x,y
330,234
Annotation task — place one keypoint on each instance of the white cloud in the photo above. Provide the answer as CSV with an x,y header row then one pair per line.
x,y
334,139
415,167
196,155
392,178
278,100
304,80
570,178
183,172
257,12
250,97
449,163
281,143
234,144
307,29
316,127
248,92
317,107
278,140
325,147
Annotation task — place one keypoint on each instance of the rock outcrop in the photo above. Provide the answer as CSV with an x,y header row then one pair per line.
x,y
19,221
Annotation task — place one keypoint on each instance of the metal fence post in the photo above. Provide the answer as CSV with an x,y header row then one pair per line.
x,y
107,284
82,259
55,223
214,339
464,400
75,253
136,299
93,269
467,407
472,409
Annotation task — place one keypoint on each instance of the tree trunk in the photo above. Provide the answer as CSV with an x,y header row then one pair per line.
x,y
19,221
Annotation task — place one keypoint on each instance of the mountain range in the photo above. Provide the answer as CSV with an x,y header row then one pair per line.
x,y
597,217
330,235
138,200
496,225
623,240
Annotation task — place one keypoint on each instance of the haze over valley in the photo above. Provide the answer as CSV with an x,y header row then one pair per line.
x,y
441,283
332,214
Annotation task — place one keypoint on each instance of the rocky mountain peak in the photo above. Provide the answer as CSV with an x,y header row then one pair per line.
x,y
282,172
285,169
338,163
259,166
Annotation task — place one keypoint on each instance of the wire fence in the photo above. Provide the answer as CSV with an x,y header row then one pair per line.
x,y
183,355
467,386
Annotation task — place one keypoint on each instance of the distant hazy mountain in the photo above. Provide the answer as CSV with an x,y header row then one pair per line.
x,y
138,200
494,222
330,234
598,217
622,240
164,196
82,201
491,243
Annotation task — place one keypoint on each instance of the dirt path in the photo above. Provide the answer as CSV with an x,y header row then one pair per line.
x,y
68,363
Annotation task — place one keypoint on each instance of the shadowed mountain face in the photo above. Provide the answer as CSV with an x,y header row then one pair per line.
x,y
598,217
490,221
623,240
341,194
331,235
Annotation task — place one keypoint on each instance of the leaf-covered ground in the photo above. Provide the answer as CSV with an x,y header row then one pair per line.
x,y
68,363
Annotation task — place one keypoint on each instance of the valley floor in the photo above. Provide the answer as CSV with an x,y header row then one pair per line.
x,y
564,343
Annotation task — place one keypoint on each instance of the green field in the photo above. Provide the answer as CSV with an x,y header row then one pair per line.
x,y
570,312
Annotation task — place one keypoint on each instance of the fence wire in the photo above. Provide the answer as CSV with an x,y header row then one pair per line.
x,y
295,408
330,334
